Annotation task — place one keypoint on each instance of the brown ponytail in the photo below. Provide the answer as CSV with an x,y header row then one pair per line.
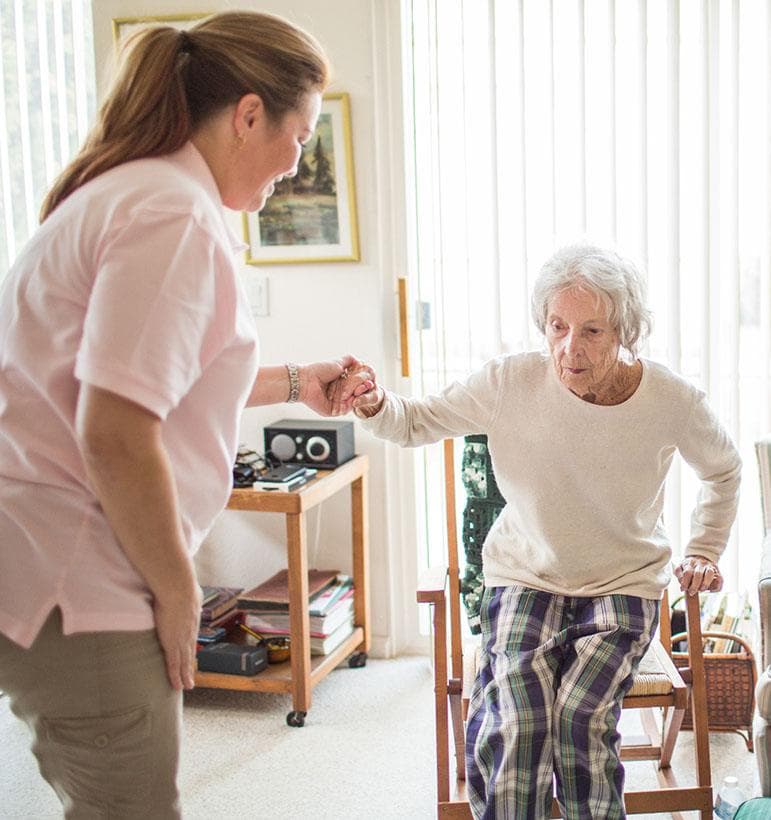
x,y
171,82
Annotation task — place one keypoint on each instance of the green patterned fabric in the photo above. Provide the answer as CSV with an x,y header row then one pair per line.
x,y
484,503
477,471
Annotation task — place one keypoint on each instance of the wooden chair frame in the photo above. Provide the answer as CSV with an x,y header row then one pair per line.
x,y
451,695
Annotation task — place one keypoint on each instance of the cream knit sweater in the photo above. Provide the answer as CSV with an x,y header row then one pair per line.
x,y
584,483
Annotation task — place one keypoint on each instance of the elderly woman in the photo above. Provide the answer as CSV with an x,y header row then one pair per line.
x,y
581,441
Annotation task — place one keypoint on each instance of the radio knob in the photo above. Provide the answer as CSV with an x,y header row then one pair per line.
x,y
317,448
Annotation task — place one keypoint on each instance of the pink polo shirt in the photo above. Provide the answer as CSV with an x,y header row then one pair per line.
x,y
130,285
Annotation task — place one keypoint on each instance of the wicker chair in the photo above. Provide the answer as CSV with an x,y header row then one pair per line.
x,y
762,726
659,686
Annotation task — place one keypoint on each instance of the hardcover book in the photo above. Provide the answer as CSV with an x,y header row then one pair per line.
x,y
328,598
227,621
274,622
323,646
274,593
224,600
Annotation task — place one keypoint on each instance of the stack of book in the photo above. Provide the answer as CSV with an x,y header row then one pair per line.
x,y
727,612
218,612
330,608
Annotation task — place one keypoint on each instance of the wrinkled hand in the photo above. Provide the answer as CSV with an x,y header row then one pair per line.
x,y
698,574
330,388
177,618
368,403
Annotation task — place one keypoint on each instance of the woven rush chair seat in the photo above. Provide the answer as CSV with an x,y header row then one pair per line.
x,y
651,677
661,692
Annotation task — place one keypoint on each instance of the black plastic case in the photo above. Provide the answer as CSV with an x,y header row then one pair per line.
x,y
232,658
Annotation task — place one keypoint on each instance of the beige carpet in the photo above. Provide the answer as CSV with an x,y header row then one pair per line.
x,y
366,751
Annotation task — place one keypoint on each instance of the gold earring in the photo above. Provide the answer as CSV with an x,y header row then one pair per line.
x,y
241,141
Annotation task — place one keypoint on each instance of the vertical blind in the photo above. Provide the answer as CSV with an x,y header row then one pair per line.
x,y
47,100
639,124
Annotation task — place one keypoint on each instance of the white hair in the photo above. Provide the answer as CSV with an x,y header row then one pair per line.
x,y
614,279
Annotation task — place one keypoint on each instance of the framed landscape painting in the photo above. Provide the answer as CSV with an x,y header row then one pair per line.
x,y
311,217
123,26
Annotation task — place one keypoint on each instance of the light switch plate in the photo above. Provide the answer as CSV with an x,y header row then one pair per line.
x,y
258,295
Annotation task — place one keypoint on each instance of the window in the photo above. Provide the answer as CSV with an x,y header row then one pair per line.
x,y
639,124
47,101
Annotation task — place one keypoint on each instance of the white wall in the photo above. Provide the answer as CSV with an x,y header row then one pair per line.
x,y
325,309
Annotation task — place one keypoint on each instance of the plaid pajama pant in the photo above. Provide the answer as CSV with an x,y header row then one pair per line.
x,y
547,699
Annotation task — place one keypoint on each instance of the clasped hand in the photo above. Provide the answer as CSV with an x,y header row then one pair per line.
x,y
330,388
352,387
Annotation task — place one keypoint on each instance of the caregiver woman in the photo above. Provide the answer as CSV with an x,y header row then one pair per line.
x,y
127,353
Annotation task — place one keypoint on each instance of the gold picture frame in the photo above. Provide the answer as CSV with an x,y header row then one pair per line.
x,y
123,26
312,216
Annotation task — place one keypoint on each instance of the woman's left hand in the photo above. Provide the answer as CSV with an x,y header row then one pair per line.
x,y
698,574
329,388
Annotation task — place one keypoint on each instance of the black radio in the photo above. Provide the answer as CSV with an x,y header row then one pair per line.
x,y
323,444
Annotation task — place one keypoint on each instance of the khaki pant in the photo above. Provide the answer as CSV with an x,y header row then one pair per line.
x,y
106,724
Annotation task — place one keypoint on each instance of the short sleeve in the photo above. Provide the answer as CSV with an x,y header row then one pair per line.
x,y
158,311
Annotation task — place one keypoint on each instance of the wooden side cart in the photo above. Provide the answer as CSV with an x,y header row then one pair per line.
x,y
302,672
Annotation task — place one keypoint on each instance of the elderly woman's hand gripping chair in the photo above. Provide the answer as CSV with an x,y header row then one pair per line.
x,y
762,728
659,685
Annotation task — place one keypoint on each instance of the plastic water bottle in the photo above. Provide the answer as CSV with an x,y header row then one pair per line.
x,y
729,798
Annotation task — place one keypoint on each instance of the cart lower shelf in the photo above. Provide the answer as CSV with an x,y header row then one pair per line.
x,y
278,677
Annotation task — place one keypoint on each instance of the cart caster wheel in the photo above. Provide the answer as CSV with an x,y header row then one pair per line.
x,y
296,718
357,660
